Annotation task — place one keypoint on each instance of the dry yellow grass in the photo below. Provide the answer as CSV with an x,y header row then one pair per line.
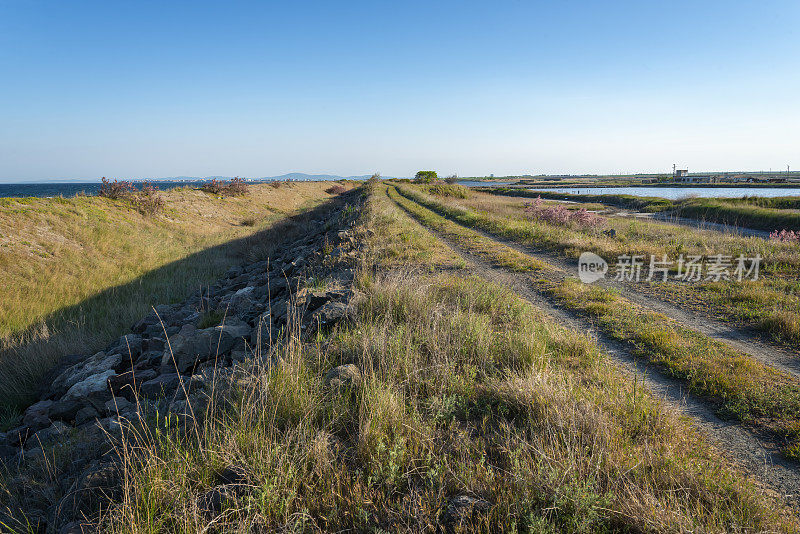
x,y
77,271
466,391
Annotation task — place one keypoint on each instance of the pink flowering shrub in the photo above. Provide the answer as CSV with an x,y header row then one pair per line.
x,y
789,236
581,219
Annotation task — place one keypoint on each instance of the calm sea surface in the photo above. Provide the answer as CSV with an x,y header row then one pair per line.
x,y
673,193
72,189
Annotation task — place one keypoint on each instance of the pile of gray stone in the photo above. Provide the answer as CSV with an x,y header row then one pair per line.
x,y
169,358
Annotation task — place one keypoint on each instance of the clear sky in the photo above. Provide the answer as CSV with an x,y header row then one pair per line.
x,y
156,89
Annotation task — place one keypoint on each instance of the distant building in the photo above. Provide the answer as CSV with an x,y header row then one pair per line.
x,y
697,179
681,173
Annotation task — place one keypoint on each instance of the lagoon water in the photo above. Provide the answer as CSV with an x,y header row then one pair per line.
x,y
674,193
481,183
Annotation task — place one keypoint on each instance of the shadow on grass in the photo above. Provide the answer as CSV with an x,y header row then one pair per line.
x,y
29,358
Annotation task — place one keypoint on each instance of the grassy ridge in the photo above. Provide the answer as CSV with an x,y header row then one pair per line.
x,y
78,271
466,390
751,212
740,386
781,203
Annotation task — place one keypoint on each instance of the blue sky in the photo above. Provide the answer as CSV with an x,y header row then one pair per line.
x,y
158,89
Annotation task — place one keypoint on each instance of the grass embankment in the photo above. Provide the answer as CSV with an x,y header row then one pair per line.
x,y
750,212
78,271
770,304
740,213
781,203
739,386
466,390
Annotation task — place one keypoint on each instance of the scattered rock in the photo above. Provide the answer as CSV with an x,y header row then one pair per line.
x,y
464,508
47,434
238,355
92,489
118,405
152,356
37,416
168,385
194,406
65,410
311,300
78,527
231,475
17,436
129,345
266,330
274,287
212,502
245,305
162,386
96,393
348,375
127,384
86,415
7,452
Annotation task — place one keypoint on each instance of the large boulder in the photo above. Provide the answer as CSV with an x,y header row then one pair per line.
x,y
98,363
329,313
191,346
91,388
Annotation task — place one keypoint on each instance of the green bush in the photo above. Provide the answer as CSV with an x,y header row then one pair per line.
x,y
425,177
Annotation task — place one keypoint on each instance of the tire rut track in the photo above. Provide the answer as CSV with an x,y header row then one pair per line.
x,y
759,458
734,337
